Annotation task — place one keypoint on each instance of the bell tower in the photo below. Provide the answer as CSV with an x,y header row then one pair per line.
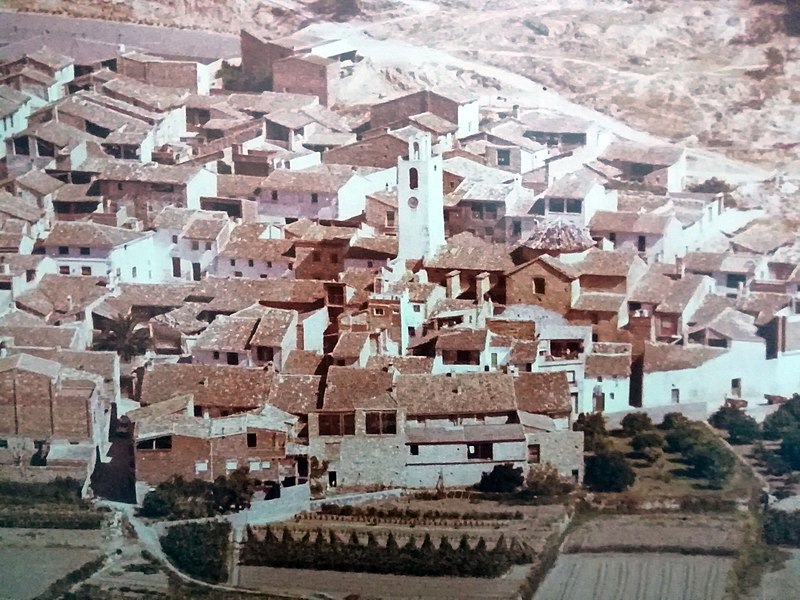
x,y
420,200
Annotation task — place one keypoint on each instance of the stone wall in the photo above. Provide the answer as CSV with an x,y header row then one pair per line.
x,y
562,449
380,151
297,75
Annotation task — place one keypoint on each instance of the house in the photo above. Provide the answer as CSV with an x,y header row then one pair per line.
x,y
111,253
15,107
251,253
319,250
23,214
454,106
730,272
354,348
61,299
606,382
256,336
562,134
44,145
313,128
509,146
335,192
22,272
378,149
39,188
577,197
44,73
656,237
195,76
146,189
192,239
661,167
380,212
169,441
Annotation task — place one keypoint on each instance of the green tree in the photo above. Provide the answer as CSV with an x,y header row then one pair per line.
x,y
125,336
712,461
594,431
674,420
502,479
790,448
743,430
608,472
636,422
647,439
199,549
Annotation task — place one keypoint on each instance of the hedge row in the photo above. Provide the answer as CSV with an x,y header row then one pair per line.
x,y
199,549
34,519
782,528
62,490
61,586
409,513
331,553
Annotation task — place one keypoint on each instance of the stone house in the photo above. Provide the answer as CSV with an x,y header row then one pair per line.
x,y
114,254
251,253
44,72
195,76
577,197
39,188
731,272
655,166
455,106
380,212
509,146
656,237
15,107
44,145
378,149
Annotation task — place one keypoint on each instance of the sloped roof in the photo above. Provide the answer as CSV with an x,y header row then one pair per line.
x,y
211,385
27,362
456,394
559,235
465,251
88,234
662,155
348,388
544,393
321,178
669,357
629,222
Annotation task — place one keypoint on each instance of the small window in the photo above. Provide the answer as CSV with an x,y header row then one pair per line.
x,y
195,245
252,440
254,465
133,272
381,423
3,443
63,250
516,228
208,245
174,239
539,285
390,218
63,270
216,355
417,308
534,453
314,198
274,195
378,312
571,376
30,275
85,251
413,178
641,243
231,464
233,262
86,271
556,205
479,451
575,207
269,264
503,158
250,262
413,449
237,273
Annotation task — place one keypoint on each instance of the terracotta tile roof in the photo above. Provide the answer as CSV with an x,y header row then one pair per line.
x,y
59,134
227,334
670,295
210,385
321,178
461,339
46,336
523,352
245,242
543,393
18,264
348,388
230,295
304,362
467,434
204,229
60,296
711,306
638,153
50,58
184,318
765,236
367,247
174,217
295,394
433,123
90,235
575,185
273,326
735,325
559,234
468,393
308,230
548,122
762,305
27,362
408,365
124,170
350,344
39,182
614,263
605,221
668,357
475,171
599,302
725,262
238,186
100,363
20,318
468,252
609,360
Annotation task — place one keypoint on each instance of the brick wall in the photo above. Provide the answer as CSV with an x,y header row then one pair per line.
x,y
604,283
33,405
375,215
71,417
328,267
382,115
299,76
7,412
558,290
380,151
258,56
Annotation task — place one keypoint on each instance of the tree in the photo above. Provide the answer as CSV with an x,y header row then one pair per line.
x,y
682,438
608,472
647,439
712,461
502,479
790,449
125,336
594,431
712,186
674,420
636,422
743,430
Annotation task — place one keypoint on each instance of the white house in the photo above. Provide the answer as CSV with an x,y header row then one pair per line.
x,y
115,254
576,197
252,253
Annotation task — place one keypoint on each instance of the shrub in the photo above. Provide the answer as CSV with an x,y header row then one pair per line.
x,y
741,428
637,422
594,431
503,478
790,449
681,439
782,527
608,472
786,418
652,455
712,461
712,186
674,420
724,417
199,549
645,440
61,490
544,480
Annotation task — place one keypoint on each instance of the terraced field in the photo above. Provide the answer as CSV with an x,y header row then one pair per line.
x,y
636,577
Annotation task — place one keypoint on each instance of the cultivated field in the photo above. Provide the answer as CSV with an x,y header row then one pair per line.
x,y
33,559
636,577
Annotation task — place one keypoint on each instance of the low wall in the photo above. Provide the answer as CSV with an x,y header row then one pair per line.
x,y
293,500
354,499
697,411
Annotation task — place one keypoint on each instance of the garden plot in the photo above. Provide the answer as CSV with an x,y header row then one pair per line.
x,y
636,577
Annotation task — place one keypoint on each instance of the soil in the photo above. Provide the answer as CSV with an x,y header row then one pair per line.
x,y
636,577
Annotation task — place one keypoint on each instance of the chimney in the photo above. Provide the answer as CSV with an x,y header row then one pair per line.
x,y
453,284
680,267
482,287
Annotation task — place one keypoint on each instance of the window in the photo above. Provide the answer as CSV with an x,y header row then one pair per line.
x,y
30,275
195,245
571,376
675,396
641,243
252,440
86,270
231,464
534,453
208,245
216,355
503,158
233,262
390,218
119,186
557,205
265,353
3,443
332,481
63,270
732,280
237,273
575,207
274,195
477,211
133,272
254,465
85,251
612,237
370,264
412,332
413,178
417,308
250,262
381,423
539,285
337,424
269,264
200,466
232,358
174,239
159,443
516,228
163,187
314,198
413,449
378,312
479,451
63,250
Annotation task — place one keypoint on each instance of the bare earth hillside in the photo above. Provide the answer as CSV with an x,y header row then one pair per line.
x,y
718,76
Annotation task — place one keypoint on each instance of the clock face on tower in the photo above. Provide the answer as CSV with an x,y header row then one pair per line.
x,y
413,202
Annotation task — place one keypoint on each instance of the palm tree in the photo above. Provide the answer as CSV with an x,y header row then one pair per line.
x,y
124,336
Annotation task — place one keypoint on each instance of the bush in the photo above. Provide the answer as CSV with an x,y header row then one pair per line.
x,y
783,420
648,439
712,461
594,431
674,420
199,549
782,528
637,422
712,186
502,479
544,480
790,449
681,439
61,490
608,472
741,428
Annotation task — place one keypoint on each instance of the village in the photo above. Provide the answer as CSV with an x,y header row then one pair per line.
x,y
215,267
